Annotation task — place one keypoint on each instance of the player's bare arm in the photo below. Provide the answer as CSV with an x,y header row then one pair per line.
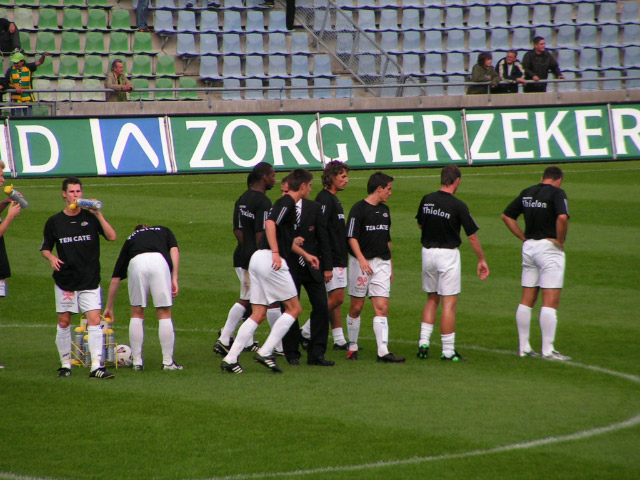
x,y
513,226
111,297
562,225
364,264
483,268
109,232
175,260
238,234
14,211
270,231
55,262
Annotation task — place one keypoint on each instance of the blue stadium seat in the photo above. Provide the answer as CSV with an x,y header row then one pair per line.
x,y
454,18
277,22
610,58
609,36
322,66
300,43
608,13
389,42
519,16
321,93
209,68
232,22
187,22
521,39
209,22
432,42
455,41
299,94
585,14
231,67
629,12
344,92
455,64
477,17
276,94
231,44
477,40
231,94
499,39
432,18
255,22
563,14
163,22
568,86
631,35
257,93
254,44
589,59
566,37
300,66
278,66
209,44
541,15
612,85
186,46
498,16
433,64
410,19
254,66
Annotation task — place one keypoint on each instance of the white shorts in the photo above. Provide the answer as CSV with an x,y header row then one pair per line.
x,y
149,273
542,264
339,279
4,288
269,285
376,285
80,301
441,271
245,283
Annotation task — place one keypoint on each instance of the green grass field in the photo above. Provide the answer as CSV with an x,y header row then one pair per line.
x,y
495,416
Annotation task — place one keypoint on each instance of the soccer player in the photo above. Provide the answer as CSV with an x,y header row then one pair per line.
x,y
12,212
440,216
370,267
546,219
334,179
270,278
249,215
74,233
151,257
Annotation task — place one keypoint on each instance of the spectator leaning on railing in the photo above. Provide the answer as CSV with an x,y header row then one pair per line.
x,y
511,73
537,64
117,81
19,77
483,72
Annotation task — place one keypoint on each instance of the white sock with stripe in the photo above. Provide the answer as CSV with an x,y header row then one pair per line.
x,y
63,342
353,330
381,331
95,346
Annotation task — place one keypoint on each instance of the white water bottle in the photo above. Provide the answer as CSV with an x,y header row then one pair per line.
x,y
85,203
16,196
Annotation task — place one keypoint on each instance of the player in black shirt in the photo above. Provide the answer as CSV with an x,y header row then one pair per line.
x,y
74,233
249,217
12,212
150,257
270,278
546,219
440,216
334,179
370,268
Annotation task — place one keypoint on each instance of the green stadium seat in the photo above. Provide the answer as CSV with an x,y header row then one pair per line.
x,y
104,4
164,82
93,67
25,41
45,42
141,66
166,66
46,69
67,84
97,20
69,67
72,20
121,20
187,82
119,43
48,19
23,18
50,3
43,84
94,43
92,84
142,43
23,3
70,43
137,84
78,4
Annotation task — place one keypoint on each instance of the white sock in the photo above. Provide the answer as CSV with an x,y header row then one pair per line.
x,y
338,336
63,342
234,317
548,322
381,331
246,330
273,314
353,330
448,344
426,329
305,331
136,339
167,339
95,346
279,330
523,320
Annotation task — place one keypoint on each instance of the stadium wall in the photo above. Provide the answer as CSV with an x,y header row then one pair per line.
x,y
387,139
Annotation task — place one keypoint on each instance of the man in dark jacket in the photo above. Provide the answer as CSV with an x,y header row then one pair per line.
x,y
537,64
511,73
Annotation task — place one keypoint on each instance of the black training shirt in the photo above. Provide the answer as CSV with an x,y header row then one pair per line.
x,y
283,214
441,215
371,226
77,243
250,214
332,209
541,204
153,239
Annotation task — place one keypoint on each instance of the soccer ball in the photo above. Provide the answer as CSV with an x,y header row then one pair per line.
x,y
123,356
